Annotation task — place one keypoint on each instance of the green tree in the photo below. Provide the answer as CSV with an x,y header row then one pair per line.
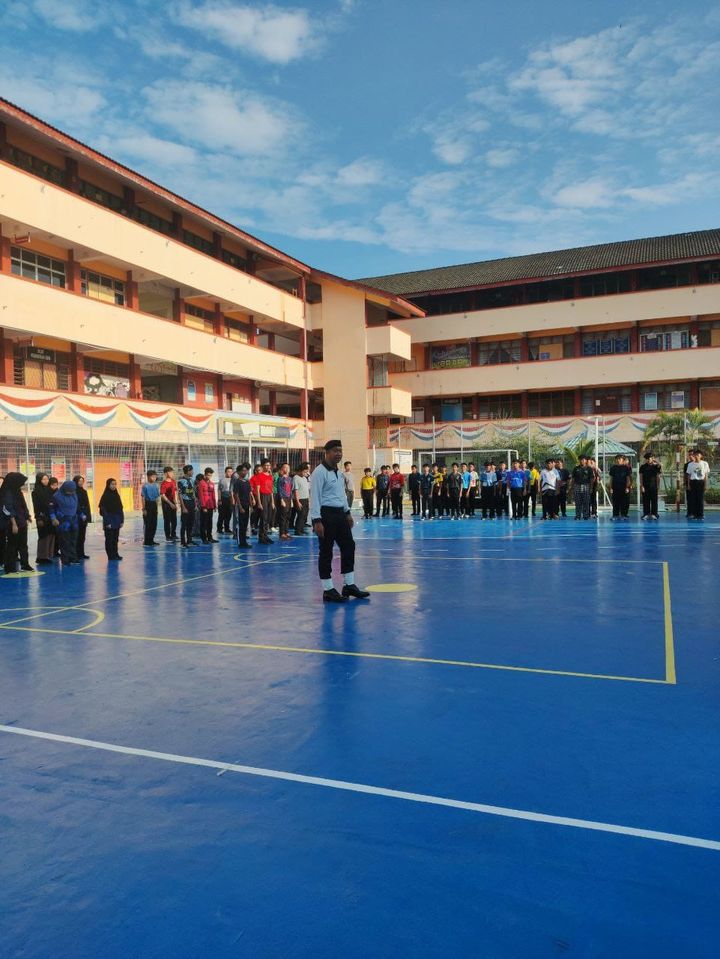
x,y
572,454
685,428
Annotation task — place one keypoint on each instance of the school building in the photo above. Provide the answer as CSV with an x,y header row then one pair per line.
x,y
138,329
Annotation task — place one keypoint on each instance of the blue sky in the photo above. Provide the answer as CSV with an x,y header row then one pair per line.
x,y
375,136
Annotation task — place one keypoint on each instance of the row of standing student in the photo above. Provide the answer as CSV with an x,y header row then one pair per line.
x,y
61,512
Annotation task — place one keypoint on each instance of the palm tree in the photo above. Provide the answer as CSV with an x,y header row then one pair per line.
x,y
572,454
682,428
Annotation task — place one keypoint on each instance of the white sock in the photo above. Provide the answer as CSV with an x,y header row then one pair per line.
x,y
349,579
327,583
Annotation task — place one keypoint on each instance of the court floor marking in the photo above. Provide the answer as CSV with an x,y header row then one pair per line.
x,y
339,784
149,589
309,650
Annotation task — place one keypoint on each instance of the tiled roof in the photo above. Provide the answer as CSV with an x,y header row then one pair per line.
x,y
535,266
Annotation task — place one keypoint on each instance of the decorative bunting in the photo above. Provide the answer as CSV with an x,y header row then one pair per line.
x,y
192,422
148,419
92,415
26,411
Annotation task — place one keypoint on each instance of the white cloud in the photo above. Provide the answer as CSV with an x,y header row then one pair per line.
x,y
61,94
277,34
589,193
365,171
499,157
152,150
221,118
75,15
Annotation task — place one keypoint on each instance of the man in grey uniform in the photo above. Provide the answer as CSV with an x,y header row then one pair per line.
x,y
332,523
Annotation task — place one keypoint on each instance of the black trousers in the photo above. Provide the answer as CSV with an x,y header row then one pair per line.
x,y
550,503
16,548
150,521
68,539
501,504
415,500
526,505
241,524
425,504
383,500
336,529
533,500
488,501
620,501
472,500
517,499
696,498
265,516
224,514
455,503
81,534
169,521
301,514
283,515
650,502
367,501
562,500
206,527
187,522
112,537
396,499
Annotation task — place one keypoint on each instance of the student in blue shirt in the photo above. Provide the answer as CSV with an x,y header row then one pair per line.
x,y
465,492
516,483
150,494
488,482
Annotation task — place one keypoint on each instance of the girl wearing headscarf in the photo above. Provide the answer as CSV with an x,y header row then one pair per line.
x,y
84,516
41,497
14,519
113,517
64,517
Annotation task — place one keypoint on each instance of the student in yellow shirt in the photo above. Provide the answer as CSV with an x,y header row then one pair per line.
x,y
534,485
367,492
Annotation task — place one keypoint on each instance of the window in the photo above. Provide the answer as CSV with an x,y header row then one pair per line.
x,y
35,266
236,331
417,414
191,392
662,277
51,372
36,166
606,343
560,403
98,195
605,284
106,367
551,347
99,287
709,272
153,221
199,319
612,400
550,291
198,242
235,260
655,341
502,351
499,407
665,396
209,393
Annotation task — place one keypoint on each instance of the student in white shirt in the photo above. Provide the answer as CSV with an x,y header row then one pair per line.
x,y
697,474
549,480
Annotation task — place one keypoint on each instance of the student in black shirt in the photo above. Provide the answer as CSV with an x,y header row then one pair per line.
x,y
582,480
242,499
649,482
564,474
414,490
620,482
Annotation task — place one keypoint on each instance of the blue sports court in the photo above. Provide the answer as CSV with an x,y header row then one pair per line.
x,y
510,750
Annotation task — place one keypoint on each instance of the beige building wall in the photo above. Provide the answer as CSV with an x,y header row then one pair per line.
x,y
542,318
345,372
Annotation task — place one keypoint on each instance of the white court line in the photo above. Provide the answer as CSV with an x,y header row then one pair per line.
x,y
373,790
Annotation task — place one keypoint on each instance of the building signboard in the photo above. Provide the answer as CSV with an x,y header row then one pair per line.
x,y
451,357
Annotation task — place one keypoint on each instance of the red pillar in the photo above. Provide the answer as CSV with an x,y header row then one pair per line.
x,y
634,339
177,222
578,403
577,289
72,179
578,343
251,333
524,350
218,321
217,246
633,281
135,379
473,354
7,365
5,265
72,273
132,298
178,308
180,399
272,396
76,369
635,398
694,395
271,341
524,405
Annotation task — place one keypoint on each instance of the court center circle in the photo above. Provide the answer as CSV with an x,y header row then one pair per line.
x,y
391,588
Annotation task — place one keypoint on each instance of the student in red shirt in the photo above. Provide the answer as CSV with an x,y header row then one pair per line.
x,y
397,485
169,500
262,488
208,503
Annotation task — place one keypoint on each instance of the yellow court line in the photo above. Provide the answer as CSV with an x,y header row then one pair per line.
x,y
339,652
149,589
670,674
